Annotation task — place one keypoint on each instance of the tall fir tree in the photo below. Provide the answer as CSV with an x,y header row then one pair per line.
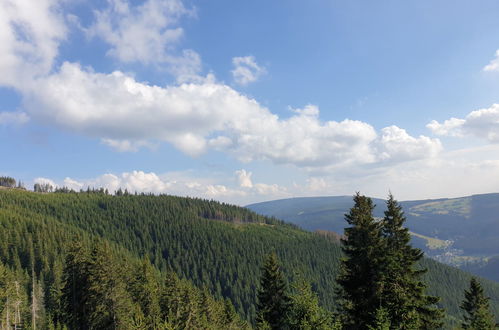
x,y
360,277
145,292
477,315
74,292
305,312
110,304
273,298
403,295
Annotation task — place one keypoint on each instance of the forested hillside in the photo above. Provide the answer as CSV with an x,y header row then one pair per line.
x,y
457,231
214,245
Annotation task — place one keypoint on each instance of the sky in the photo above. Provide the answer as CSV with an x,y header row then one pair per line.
x,y
248,101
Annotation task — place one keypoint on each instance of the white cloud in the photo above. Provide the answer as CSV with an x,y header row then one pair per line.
x,y
244,179
397,145
415,179
430,179
450,127
259,190
7,117
482,123
494,64
174,184
135,181
148,33
317,185
72,184
46,181
30,33
302,140
122,111
126,145
246,70
195,117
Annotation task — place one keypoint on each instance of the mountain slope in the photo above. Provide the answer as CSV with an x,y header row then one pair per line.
x,y
212,244
466,226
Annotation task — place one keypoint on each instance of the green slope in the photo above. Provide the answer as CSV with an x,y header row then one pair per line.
x,y
214,245
33,246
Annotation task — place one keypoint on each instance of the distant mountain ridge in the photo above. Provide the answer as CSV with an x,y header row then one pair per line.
x,y
457,231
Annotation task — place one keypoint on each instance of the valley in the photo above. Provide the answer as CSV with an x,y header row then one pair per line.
x,y
458,231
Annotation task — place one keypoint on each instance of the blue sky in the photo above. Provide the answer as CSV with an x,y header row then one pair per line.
x,y
245,101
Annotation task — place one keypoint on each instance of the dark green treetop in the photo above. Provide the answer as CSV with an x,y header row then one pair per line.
x,y
273,299
476,308
360,277
403,294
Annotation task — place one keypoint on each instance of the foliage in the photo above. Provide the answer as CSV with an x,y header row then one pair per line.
x,y
360,279
273,300
204,241
305,312
43,187
381,320
403,293
380,283
213,246
6,181
476,308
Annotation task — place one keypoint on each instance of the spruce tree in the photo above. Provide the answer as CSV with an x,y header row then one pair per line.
x,y
74,293
360,277
273,300
477,315
305,312
382,320
145,292
403,295
109,303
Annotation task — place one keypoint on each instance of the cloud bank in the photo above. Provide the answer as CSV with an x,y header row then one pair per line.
x,y
197,117
482,123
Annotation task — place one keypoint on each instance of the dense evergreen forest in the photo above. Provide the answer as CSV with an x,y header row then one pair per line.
x,y
204,249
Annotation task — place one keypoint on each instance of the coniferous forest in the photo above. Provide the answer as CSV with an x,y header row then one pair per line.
x,y
91,260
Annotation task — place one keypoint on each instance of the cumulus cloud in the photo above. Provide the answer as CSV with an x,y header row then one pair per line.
x,y
302,140
482,123
135,181
396,144
244,179
196,117
246,70
175,184
44,181
117,107
494,64
148,33
72,184
413,179
450,127
30,33
7,117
